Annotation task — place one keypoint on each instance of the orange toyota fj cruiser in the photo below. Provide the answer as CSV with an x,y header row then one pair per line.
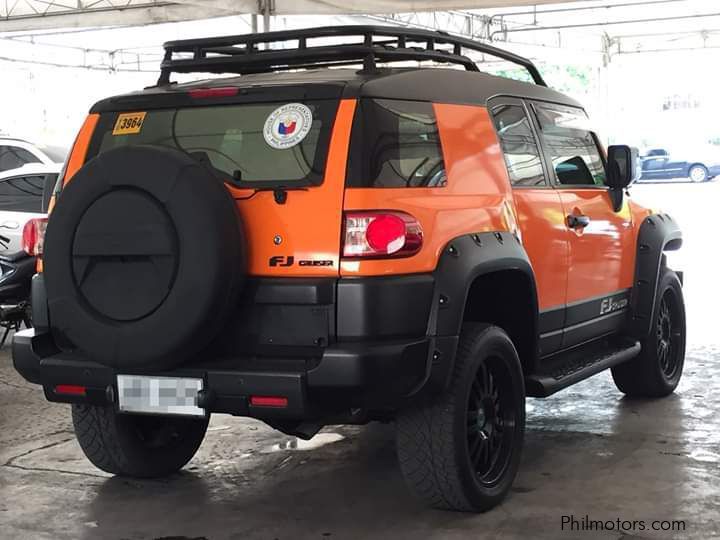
x,y
309,243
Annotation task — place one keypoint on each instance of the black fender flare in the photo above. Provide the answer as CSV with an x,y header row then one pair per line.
x,y
462,261
658,233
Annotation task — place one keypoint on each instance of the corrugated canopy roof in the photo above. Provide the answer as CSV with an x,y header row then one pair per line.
x,y
46,14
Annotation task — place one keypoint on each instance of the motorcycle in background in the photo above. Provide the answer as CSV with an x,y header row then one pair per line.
x,y
16,271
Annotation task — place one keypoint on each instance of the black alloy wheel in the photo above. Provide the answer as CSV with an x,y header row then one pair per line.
x,y
491,420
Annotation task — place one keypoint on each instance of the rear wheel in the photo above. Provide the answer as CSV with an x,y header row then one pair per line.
x,y
698,173
140,446
462,451
657,370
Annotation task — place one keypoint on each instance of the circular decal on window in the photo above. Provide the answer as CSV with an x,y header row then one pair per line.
x,y
287,125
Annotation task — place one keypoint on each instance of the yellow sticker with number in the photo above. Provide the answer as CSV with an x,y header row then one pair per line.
x,y
129,123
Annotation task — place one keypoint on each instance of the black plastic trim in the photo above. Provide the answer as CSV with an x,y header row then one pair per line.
x,y
312,291
384,307
371,374
551,320
38,301
591,329
579,364
462,261
595,307
658,233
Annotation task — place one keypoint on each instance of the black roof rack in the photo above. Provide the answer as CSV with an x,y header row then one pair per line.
x,y
244,54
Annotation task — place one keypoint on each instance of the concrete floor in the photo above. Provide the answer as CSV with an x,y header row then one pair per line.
x,y
589,451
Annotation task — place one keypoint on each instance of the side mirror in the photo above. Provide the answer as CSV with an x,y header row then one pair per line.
x,y
622,166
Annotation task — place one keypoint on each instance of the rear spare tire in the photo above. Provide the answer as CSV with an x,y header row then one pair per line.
x,y
144,256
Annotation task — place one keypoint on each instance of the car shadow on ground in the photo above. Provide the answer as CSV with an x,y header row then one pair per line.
x,y
353,488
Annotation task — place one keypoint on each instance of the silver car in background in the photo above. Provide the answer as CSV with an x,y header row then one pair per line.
x,y
24,195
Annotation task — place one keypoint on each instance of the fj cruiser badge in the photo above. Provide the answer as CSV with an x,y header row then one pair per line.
x,y
287,125
610,304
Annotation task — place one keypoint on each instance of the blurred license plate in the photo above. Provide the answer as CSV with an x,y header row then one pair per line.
x,y
159,395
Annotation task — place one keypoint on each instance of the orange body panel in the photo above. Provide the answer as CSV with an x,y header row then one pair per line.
x,y
477,198
80,148
544,235
309,223
78,154
602,255
569,265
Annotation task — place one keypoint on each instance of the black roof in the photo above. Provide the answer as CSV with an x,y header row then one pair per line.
x,y
439,85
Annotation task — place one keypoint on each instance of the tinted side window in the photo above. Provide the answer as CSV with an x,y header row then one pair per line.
x,y
395,144
519,146
22,194
572,147
12,157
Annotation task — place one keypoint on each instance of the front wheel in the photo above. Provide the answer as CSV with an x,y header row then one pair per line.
x,y
656,371
139,446
462,451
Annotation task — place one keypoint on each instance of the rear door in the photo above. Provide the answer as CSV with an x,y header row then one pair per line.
x,y
601,251
283,162
540,214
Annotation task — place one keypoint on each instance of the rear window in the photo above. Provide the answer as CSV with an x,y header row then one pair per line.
x,y
395,144
256,143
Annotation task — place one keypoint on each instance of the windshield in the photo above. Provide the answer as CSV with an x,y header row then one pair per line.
x,y
255,144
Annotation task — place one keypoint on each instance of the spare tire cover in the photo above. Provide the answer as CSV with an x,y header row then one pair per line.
x,y
144,258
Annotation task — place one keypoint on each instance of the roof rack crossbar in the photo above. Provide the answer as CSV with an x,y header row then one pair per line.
x,y
244,55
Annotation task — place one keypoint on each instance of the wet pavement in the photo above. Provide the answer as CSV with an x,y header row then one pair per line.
x,y
589,452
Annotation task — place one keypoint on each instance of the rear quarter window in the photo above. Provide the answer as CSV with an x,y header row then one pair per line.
x,y
395,144
230,138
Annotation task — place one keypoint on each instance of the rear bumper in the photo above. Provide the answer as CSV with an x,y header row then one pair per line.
x,y
378,375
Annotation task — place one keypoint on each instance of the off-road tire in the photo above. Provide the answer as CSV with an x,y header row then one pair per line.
x,y
652,374
434,440
114,442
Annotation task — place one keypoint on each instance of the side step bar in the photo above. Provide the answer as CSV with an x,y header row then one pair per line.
x,y
578,364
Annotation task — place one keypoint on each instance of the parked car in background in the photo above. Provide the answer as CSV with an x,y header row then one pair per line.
x,y
16,154
697,165
24,193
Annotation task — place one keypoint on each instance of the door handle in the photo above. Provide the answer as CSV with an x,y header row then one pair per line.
x,y
578,221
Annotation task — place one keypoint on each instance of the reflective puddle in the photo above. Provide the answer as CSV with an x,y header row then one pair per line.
x,y
321,439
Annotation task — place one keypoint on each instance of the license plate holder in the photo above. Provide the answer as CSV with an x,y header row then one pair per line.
x,y
149,394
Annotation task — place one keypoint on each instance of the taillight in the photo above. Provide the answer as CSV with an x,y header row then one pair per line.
x,y
269,401
70,390
34,236
203,93
381,234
